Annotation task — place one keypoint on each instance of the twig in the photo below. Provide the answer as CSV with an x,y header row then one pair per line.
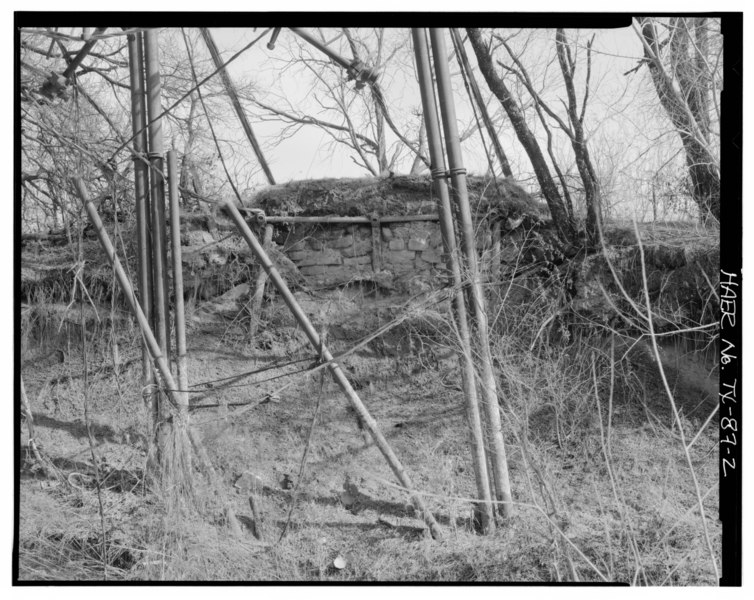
x,y
613,482
89,434
514,502
49,469
676,414
209,121
703,427
191,91
690,510
302,467
256,513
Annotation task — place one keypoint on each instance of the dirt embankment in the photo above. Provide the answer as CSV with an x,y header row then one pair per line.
x,y
406,258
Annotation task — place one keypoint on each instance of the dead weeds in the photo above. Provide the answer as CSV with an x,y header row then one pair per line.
x,y
602,494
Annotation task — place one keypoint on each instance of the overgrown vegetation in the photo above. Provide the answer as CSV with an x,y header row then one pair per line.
x,y
597,466
603,335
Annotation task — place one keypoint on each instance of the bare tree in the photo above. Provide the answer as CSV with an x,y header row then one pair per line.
x,y
575,132
572,125
562,218
361,117
200,172
685,73
72,134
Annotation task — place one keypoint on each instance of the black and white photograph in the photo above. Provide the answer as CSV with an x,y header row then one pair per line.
x,y
378,298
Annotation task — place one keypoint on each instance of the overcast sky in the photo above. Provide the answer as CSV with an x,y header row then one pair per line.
x,y
309,154
622,119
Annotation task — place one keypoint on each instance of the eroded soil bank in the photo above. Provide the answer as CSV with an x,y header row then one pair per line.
x,y
602,484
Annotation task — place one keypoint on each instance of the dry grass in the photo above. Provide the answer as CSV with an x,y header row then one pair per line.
x,y
601,486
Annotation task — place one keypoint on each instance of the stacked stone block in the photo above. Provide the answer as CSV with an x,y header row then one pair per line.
x,y
335,254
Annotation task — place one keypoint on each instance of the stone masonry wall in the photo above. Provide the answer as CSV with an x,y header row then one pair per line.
x,y
410,254
402,257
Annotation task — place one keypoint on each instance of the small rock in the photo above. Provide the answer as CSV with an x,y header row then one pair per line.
x,y
347,499
248,482
418,244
